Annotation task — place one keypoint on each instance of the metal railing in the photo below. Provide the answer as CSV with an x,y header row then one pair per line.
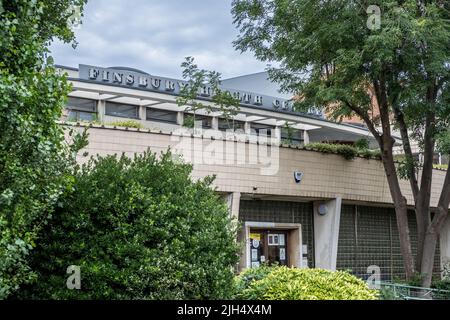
x,y
395,291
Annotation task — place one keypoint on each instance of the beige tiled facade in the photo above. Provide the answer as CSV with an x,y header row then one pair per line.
x,y
326,176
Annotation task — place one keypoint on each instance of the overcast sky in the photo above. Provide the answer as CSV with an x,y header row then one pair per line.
x,y
156,35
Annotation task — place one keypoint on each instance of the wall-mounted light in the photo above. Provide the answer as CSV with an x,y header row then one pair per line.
x,y
323,209
298,176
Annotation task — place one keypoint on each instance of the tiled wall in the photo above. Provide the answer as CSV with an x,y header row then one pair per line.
x,y
325,175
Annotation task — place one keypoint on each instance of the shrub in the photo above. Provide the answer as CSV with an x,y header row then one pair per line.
x,y
283,283
188,121
348,152
127,124
139,229
362,144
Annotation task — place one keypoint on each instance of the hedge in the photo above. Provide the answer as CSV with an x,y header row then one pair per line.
x,y
282,283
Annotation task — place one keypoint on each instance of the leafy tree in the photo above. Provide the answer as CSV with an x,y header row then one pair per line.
x,y
202,83
393,76
139,229
33,156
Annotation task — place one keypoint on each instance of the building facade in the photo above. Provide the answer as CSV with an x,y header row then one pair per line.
x,y
296,207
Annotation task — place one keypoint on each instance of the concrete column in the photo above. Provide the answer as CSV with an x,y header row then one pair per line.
x,y
276,138
445,242
247,127
142,113
101,110
233,200
215,123
305,137
327,216
180,118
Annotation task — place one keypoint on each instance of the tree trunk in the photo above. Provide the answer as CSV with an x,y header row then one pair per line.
x,y
433,231
428,253
400,204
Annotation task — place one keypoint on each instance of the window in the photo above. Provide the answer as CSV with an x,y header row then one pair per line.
x,y
292,136
80,109
225,124
262,129
162,115
205,120
122,110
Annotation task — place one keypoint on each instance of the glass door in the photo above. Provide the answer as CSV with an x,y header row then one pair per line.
x,y
268,246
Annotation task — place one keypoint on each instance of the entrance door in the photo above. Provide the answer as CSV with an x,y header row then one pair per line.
x,y
268,246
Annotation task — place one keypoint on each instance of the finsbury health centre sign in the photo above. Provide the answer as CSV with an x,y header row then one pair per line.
x,y
133,79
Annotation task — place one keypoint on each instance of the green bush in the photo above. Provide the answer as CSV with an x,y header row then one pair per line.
x,y
139,229
127,124
347,151
282,283
362,144
34,158
188,121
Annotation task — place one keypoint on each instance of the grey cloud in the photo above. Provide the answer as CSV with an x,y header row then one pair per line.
x,y
155,36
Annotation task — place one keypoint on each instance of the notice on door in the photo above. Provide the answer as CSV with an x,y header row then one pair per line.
x,y
255,236
282,254
254,255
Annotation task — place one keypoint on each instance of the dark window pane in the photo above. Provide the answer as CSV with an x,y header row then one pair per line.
x,y
262,129
294,136
75,115
225,124
121,110
162,115
86,116
205,120
82,104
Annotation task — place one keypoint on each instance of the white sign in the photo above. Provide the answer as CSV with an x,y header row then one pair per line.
x,y
281,239
254,255
282,254
255,243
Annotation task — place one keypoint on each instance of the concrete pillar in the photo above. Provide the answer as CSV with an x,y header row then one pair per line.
x,y
445,243
101,110
142,113
276,138
180,118
305,137
327,216
233,200
247,127
215,123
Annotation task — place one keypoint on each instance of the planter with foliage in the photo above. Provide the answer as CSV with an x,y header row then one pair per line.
x,y
282,283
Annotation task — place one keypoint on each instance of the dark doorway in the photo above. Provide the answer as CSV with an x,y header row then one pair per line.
x,y
268,246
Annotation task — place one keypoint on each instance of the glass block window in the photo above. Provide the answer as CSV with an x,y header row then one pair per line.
x,y
369,236
122,110
282,212
80,109
162,115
